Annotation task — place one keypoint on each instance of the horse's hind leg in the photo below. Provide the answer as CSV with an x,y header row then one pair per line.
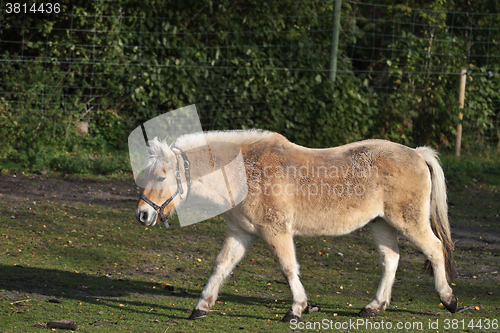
x,y
233,249
386,240
427,242
418,231
282,246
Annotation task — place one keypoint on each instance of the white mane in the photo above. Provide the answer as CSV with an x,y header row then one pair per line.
x,y
159,151
157,155
239,137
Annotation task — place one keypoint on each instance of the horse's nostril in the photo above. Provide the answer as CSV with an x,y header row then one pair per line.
x,y
143,217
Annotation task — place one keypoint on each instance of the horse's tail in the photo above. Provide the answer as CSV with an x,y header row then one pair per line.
x,y
439,210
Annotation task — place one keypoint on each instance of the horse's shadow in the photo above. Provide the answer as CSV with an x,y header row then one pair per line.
x,y
51,284
19,281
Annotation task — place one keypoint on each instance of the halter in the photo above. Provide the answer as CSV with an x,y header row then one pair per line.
x,y
179,189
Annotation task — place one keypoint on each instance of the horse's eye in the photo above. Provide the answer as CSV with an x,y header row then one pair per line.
x,y
160,179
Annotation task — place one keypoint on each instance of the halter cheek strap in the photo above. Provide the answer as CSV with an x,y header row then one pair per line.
x,y
179,189
187,173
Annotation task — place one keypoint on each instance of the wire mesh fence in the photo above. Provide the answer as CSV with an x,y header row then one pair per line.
x,y
112,64
420,52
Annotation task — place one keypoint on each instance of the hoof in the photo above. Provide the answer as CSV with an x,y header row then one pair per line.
x,y
198,314
311,307
452,306
367,313
290,316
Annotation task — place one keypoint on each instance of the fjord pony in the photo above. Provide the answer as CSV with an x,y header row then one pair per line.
x,y
296,191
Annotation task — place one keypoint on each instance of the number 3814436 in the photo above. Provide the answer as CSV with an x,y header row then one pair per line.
x,y
35,8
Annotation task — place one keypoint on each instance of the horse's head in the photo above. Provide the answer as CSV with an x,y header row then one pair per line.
x,y
199,181
162,178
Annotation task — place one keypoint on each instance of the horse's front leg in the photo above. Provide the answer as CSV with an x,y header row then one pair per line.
x,y
281,244
233,249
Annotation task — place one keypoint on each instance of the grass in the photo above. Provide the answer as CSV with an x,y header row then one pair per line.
x,y
477,170
97,266
99,162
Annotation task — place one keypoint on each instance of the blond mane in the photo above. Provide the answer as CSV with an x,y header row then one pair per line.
x,y
238,137
157,155
158,150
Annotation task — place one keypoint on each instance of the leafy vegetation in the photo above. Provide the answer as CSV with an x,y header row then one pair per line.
x,y
246,65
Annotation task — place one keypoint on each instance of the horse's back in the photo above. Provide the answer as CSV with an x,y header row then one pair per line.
x,y
330,191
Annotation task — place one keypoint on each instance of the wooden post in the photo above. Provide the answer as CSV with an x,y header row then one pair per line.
x,y
461,99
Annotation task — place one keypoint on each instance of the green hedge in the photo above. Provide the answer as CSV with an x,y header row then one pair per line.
x,y
248,64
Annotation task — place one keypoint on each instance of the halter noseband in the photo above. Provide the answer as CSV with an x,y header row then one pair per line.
x,y
179,189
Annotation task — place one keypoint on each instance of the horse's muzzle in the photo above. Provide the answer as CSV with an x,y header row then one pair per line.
x,y
146,216
150,216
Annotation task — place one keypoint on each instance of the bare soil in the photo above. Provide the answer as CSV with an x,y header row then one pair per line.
x,y
114,193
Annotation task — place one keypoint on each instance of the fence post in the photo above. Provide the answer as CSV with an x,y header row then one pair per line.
x,y
335,41
461,99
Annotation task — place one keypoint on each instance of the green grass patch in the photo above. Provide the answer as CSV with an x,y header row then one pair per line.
x,y
77,163
96,265
482,170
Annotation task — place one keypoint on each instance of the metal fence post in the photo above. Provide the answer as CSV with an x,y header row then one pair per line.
x,y
335,41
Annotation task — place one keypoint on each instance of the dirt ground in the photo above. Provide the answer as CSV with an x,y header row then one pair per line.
x,y
115,193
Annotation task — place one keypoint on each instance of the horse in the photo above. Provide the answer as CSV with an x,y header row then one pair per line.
x,y
298,191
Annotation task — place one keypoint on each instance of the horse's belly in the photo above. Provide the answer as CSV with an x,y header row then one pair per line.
x,y
335,222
